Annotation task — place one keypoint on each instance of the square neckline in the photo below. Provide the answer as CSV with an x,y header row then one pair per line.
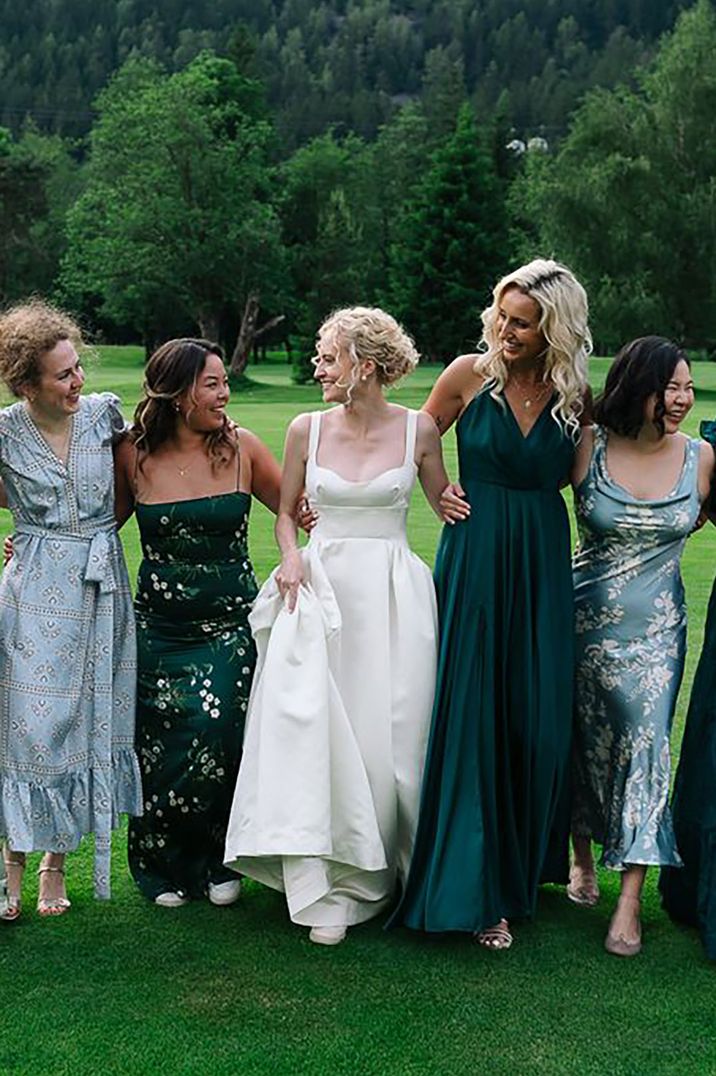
x,y
409,442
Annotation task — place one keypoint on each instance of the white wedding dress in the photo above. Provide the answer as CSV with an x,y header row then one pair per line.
x,y
326,803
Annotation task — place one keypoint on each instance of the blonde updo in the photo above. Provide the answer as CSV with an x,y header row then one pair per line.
x,y
368,333
27,332
562,303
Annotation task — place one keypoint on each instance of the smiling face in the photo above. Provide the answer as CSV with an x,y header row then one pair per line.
x,y
56,393
678,399
518,330
334,369
203,406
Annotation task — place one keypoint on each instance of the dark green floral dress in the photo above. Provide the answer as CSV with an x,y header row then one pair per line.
x,y
195,662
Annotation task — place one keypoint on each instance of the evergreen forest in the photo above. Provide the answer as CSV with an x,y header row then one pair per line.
x,y
242,166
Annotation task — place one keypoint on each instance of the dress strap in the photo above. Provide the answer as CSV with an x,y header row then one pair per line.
x,y
411,433
313,435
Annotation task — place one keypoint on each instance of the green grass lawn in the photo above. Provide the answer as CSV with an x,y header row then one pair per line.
x,y
127,987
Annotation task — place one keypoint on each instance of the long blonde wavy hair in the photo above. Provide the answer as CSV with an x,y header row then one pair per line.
x,y
564,324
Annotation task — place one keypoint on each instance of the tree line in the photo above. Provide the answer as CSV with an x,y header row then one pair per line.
x,y
187,213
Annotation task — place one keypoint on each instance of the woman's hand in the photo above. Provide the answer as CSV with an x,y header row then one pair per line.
x,y
454,507
305,517
289,576
7,551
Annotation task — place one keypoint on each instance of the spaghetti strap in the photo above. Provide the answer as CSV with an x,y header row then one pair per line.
x,y
411,433
314,434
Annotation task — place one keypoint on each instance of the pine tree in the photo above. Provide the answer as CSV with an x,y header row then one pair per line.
x,y
453,244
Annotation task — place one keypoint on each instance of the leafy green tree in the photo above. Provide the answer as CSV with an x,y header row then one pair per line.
x,y
175,228
453,244
38,178
630,200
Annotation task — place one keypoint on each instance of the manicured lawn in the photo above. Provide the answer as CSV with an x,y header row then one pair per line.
x,y
127,987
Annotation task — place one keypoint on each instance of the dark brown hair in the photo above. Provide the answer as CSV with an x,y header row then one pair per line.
x,y
171,371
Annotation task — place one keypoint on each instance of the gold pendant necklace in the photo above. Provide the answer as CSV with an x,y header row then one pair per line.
x,y
535,396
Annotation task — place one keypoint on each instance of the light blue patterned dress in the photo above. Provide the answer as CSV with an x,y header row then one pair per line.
x,y
67,641
630,649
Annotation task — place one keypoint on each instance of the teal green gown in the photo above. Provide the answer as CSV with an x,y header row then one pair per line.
x,y
196,660
689,894
494,813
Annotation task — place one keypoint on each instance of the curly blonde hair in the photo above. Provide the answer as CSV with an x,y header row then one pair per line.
x,y
564,323
27,332
368,333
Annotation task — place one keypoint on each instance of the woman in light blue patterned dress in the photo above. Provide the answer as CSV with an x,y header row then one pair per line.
x,y
67,642
639,485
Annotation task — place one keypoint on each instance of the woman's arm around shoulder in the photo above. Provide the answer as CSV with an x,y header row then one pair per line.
x,y
125,462
432,474
707,467
265,472
582,456
452,392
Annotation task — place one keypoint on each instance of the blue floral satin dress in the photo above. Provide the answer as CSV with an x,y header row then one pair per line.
x,y
630,648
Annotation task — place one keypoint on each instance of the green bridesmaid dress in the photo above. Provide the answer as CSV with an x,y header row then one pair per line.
x,y
689,894
196,659
494,813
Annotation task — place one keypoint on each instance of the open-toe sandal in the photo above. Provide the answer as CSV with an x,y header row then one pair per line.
x,y
583,887
497,937
14,899
52,905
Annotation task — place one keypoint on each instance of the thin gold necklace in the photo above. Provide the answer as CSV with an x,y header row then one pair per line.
x,y
534,397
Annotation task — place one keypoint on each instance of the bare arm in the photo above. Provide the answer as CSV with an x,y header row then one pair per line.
x,y
432,474
707,474
582,457
265,470
452,391
125,455
290,572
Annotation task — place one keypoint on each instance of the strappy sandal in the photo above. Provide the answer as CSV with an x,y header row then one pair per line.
x,y
583,887
52,905
497,937
617,944
14,899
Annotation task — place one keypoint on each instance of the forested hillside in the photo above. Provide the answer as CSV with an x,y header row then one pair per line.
x,y
348,63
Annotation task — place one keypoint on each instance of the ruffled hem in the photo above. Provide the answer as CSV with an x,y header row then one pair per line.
x,y
54,818
641,847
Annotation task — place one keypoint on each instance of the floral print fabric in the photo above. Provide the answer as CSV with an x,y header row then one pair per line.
x,y
630,621
196,659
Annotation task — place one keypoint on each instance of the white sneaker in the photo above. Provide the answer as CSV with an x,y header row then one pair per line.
x,y
225,892
171,900
327,935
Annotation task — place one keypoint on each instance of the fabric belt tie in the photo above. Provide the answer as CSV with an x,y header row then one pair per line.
x,y
99,567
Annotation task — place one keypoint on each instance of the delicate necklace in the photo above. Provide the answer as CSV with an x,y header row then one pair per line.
x,y
535,396
183,470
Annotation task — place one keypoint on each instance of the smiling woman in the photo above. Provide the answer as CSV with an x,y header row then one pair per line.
x,y
639,484
67,649
190,473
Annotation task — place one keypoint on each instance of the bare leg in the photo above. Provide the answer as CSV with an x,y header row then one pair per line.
x,y
624,935
14,868
52,899
583,887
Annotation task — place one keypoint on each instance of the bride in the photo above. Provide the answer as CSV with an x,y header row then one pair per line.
x,y
327,797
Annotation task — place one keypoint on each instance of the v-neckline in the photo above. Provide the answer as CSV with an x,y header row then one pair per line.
x,y
45,444
526,436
